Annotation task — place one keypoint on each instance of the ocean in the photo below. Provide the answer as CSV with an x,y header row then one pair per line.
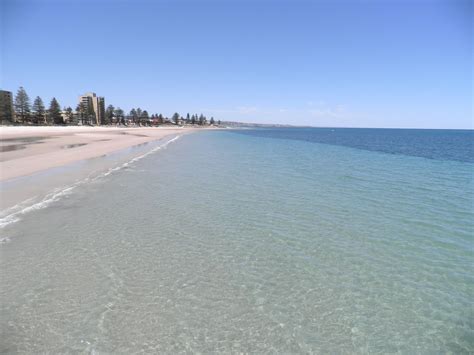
x,y
288,240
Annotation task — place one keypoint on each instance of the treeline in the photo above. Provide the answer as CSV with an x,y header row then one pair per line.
x,y
38,114
141,117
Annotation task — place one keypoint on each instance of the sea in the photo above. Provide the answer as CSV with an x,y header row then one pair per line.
x,y
281,240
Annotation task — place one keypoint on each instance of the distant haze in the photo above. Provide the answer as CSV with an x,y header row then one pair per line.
x,y
319,63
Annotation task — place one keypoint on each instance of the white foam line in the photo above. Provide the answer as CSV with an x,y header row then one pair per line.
x,y
13,214
124,165
46,201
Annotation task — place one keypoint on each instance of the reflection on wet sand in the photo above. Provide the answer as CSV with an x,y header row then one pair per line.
x,y
9,148
136,135
69,146
12,144
24,140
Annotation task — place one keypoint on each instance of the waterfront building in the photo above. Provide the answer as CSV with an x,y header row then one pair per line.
x,y
7,112
93,103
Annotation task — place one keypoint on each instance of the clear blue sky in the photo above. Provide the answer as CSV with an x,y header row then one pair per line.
x,y
323,63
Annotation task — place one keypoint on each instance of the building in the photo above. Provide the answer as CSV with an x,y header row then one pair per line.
x,y
7,112
70,118
94,103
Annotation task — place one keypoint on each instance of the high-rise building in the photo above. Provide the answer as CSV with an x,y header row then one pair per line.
x,y
91,101
6,107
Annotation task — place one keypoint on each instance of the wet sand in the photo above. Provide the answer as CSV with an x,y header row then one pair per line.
x,y
27,150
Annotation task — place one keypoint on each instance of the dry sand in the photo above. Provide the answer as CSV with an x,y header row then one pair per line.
x,y
27,150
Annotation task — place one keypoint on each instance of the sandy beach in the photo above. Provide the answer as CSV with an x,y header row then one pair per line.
x,y
27,150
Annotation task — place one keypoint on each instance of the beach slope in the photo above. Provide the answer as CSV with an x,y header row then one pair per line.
x,y
27,150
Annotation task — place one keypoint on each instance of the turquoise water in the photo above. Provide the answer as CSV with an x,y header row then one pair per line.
x,y
239,242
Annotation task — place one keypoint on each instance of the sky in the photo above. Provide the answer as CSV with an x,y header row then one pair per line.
x,y
386,63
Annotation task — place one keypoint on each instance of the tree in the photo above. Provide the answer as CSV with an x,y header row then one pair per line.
x,y
188,119
90,114
109,114
145,117
175,118
160,119
139,115
133,115
202,119
81,110
193,119
119,114
39,110
69,115
22,104
212,121
55,112
219,122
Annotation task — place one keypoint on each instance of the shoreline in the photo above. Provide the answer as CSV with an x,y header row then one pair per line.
x,y
29,150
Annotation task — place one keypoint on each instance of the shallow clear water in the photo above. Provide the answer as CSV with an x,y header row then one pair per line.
x,y
226,242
